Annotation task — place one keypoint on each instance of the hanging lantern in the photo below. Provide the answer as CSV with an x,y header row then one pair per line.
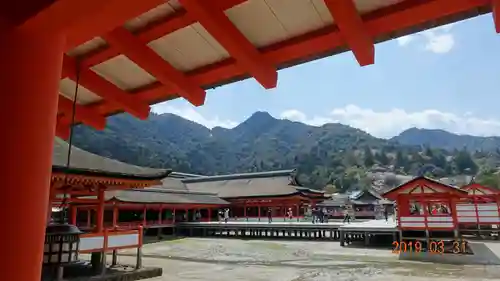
x,y
61,244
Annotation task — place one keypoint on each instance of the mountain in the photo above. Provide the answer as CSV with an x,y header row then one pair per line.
x,y
446,140
333,154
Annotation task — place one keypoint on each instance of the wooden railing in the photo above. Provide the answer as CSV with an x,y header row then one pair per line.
x,y
110,240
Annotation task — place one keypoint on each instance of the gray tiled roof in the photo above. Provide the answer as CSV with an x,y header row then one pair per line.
x,y
336,200
273,183
162,196
169,183
86,162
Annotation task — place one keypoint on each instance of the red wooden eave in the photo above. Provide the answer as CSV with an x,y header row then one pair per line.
x,y
351,28
397,17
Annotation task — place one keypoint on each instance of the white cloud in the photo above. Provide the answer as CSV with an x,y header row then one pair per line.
x,y
405,40
438,40
392,122
190,113
378,123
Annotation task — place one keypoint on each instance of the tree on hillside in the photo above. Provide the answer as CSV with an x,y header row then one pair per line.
x,y
369,160
350,159
464,163
401,161
382,158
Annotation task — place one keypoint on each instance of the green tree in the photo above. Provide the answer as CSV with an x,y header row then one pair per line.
x,y
382,158
464,163
369,160
401,161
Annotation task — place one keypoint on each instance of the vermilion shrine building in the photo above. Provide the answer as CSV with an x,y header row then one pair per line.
x,y
427,208
124,55
158,200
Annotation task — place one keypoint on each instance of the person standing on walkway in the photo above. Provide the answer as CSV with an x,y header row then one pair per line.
x,y
290,214
386,213
270,215
226,215
347,216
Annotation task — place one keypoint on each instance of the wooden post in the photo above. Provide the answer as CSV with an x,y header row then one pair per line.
x,y
104,251
115,215
138,263
74,212
258,208
114,258
100,211
89,218
283,211
160,214
144,221
297,207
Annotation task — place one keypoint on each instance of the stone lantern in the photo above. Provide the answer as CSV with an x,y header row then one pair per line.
x,y
61,244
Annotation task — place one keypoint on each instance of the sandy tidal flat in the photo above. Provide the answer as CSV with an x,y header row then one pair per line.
x,y
197,259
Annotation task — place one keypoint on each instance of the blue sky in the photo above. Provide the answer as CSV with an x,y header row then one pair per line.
x,y
446,78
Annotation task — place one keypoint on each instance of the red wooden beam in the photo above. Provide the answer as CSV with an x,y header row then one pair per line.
x,y
150,61
85,19
62,128
116,13
400,16
155,30
495,7
86,115
224,31
107,90
351,27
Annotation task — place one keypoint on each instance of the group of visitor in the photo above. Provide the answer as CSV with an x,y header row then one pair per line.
x,y
289,214
435,209
319,215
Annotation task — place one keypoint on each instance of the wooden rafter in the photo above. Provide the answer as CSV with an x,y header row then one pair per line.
x,y
351,27
238,46
151,62
86,115
107,90
155,30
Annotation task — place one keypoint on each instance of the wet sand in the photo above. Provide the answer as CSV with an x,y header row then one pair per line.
x,y
196,259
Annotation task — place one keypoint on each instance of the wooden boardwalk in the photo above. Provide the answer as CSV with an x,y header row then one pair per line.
x,y
362,230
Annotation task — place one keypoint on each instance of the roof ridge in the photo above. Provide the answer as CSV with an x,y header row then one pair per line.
x,y
266,174
172,191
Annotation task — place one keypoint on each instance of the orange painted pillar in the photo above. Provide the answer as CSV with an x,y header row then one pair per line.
x,y
99,224
30,71
115,215
74,213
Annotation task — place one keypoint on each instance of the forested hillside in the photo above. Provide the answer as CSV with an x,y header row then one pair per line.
x,y
333,154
